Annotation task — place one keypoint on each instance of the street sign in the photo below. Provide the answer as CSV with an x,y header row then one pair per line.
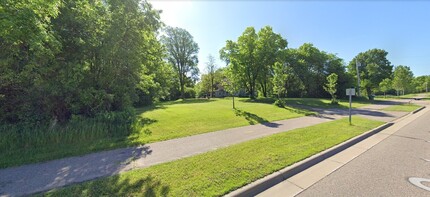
x,y
350,92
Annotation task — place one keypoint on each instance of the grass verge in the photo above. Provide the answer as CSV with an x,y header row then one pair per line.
x,y
402,107
195,116
28,144
305,103
219,172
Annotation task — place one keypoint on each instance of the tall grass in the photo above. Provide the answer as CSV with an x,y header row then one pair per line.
x,y
29,139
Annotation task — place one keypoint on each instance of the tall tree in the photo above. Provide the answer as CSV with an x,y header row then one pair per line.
x,y
421,83
385,85
182,54
374,68
75,57
402,80
279,79
211,68
253,56
270,47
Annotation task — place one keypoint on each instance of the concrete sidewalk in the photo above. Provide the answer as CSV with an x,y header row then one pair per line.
x,y
29,179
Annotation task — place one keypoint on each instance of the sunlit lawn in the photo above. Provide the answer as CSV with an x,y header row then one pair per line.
x,y
219,172
165,121
325,103
194,116
402,107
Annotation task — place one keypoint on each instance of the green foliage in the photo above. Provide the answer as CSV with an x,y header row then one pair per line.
x,y
279,79
280,103
78,58
251,58
421,83
402,80
211,69
182,55
330,87
218,172
210,82
308,62
385,85
374,68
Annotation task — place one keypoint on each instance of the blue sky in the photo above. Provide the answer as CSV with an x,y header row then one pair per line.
x,y
344,28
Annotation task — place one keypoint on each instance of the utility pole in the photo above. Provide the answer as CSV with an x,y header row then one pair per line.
x,y
427,89
358,64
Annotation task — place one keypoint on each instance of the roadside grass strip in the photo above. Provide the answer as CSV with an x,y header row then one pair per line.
x,y
195,116
163,121
402,107
221,171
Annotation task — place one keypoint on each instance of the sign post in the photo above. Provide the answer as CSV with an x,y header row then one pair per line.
x,y
350,92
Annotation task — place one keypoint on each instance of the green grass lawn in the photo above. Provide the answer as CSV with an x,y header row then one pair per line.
x,y
325,103
402,107
183,118
406,96
156,123
219,172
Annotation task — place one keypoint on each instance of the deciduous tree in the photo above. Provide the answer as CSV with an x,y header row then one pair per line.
x,y
182,54
374,68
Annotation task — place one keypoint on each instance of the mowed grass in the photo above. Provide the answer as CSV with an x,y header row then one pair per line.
x,y
325,103
402,107
219,172
155,123
195,116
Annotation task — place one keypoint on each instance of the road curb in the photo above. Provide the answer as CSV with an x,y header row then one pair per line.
x,y
419,109
273,179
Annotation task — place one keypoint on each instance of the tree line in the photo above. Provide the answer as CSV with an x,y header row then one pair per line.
x,y
66,58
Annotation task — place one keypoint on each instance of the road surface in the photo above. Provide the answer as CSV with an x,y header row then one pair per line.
x,y
397,166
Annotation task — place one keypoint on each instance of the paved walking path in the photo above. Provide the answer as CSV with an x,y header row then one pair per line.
x,y
28,179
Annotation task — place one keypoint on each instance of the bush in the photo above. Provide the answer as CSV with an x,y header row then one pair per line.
x,y
189,93
334,102
280,103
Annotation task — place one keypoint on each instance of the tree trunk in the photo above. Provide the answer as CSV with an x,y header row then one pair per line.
x,y
182,91
212,86
251,91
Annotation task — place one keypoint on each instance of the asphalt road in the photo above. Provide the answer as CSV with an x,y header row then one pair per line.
x,y
387,169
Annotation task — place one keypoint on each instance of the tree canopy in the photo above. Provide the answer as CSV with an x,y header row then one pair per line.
x,y
182,54
374,67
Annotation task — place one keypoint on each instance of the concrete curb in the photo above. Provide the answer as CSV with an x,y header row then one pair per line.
x,y
419,109
268,181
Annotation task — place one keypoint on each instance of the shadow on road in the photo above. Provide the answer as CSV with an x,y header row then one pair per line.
x,y
72,170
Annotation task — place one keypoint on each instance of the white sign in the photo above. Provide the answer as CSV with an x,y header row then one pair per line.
x,y
350,91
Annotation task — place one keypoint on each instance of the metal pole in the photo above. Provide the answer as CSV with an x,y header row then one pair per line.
x,y
350,100
358,64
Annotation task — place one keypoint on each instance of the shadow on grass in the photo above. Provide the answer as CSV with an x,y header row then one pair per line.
x,y
114,186
152,107
164,104
259,100
254,119
299,110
